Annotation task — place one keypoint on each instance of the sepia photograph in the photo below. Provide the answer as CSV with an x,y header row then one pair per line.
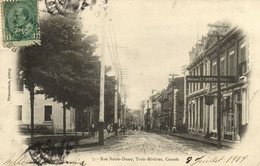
x,y
139,82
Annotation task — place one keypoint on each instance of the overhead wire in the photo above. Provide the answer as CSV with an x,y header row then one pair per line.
x,y
112,59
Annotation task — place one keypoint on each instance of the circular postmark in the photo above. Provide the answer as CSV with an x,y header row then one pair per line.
x,y
21,20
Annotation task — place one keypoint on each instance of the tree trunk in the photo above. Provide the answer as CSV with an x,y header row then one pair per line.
x,y
82,121
31,89
64,119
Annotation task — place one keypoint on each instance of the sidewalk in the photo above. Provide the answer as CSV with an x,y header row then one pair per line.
x,y
210,141
74,142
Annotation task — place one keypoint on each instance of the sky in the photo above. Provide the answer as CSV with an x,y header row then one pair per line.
x,y
156,36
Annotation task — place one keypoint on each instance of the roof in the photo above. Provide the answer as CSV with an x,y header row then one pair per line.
x,y
210,44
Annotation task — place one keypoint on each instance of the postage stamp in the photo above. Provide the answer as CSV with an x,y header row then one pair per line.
x,y
20,24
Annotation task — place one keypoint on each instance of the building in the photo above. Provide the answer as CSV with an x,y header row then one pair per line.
x,y
176,102
164,114
148,115
202,97
158,115
48,115
166,107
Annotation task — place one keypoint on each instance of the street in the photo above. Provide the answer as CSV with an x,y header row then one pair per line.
x,y
140,142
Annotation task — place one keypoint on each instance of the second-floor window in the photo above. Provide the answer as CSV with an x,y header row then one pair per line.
x,y
242,60
193,89
231,63
214,70
201,73
222,66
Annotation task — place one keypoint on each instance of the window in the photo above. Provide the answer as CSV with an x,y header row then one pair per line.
x,y
193,89
190,84
201,73
19,83
197,73
193,115
201,112
190,116
222,66
47,113
214,70
229,113
231,64
197,112
206,71
19,113
214,118
242,60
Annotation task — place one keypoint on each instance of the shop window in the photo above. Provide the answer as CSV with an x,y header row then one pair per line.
x,y
214,118
201,112
47,113
190,117
229,114
193,115
197,112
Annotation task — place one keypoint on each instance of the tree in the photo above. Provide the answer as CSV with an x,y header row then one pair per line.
x,y
63,66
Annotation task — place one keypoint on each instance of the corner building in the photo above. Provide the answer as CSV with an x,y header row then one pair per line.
x,y
233,49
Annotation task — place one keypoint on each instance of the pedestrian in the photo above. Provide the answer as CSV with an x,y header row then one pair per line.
x,y
124,129
108,128
111,128
93,130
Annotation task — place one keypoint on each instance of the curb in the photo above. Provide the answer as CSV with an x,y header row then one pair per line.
x,y
90,144
202,141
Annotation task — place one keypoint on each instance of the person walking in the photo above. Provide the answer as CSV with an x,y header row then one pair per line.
x,y
92,130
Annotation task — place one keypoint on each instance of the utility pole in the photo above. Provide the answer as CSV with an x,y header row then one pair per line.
x,y
219,97
116,109
217,35
102,89
185,119
143,121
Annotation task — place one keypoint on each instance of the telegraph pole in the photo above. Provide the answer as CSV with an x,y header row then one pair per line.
x,y
218,82
219,97
115,111
102,89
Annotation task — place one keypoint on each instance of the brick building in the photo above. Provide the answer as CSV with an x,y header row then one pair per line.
x,y
202,97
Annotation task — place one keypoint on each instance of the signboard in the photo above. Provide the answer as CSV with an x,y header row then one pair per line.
x,y
209,100
227,79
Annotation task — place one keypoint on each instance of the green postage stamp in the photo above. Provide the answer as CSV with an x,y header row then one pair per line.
x,y
20,23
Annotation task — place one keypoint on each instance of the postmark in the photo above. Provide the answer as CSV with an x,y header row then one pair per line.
x,y
20,23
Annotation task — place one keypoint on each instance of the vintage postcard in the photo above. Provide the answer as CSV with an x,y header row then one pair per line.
x,y
89,82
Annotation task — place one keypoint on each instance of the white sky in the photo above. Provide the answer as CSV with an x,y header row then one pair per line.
x,y
158,36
